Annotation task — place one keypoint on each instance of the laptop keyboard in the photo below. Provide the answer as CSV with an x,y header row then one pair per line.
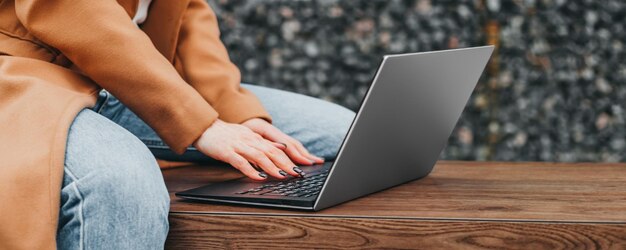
x,y
297,187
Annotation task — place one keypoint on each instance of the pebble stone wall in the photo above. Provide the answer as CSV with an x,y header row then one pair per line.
x,y
554,91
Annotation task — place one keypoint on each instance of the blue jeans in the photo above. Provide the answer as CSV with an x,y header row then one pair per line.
x,y
113,195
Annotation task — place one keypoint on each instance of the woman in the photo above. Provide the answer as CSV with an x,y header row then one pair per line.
x,y
83,178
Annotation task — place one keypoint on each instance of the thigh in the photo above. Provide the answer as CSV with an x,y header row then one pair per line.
x,y
110,107
320,125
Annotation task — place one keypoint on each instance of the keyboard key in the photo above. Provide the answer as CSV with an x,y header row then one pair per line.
x,y
301,187
264,192
302,194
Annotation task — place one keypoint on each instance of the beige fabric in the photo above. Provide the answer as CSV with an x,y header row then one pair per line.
x,y
174,73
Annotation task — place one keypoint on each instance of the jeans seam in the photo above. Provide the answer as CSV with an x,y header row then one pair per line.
x,y
158,144
81,219
150,143
106,99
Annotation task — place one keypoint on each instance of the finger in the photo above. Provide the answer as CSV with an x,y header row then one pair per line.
x,y
241,164
280,159
296,156
290,148
277,156
259,158
299,149
279,145
306,153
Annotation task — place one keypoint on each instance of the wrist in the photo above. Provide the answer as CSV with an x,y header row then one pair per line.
x,y
203,134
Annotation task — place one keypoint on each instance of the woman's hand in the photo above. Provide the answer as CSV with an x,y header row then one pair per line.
x,y
293,147
241,147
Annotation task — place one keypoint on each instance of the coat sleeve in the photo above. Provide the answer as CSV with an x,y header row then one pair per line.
x,y
101,40
207,67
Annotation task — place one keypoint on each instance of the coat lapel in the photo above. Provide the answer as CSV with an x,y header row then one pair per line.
x,y
163,25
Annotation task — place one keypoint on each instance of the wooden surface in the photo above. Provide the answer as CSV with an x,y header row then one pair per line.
x,y
459,205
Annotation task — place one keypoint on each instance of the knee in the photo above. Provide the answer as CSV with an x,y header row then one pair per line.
x,y
320,125
331,130
130,186
130,181
115,171
339,124
133,182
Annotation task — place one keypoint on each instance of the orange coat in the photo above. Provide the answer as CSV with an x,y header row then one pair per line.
x,y
173,72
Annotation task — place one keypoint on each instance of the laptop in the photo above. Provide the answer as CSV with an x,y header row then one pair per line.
x,y
403,124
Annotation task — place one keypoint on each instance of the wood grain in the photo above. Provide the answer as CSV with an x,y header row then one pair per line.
x,y
198,231
526,191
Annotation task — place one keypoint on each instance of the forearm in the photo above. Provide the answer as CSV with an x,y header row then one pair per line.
x,y
101,40
207,67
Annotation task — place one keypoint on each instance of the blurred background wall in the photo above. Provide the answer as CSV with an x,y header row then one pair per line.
x,y
555,89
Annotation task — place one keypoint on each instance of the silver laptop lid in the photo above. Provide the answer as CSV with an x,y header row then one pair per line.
x,y
404,121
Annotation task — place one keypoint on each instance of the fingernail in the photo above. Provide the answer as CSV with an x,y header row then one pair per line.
x,y
283,144
299,171
263,175
283,173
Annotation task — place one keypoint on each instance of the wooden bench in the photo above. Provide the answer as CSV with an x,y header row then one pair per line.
x,y
469,205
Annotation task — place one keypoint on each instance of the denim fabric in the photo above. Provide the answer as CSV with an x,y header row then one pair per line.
x,y
113,194
321,126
